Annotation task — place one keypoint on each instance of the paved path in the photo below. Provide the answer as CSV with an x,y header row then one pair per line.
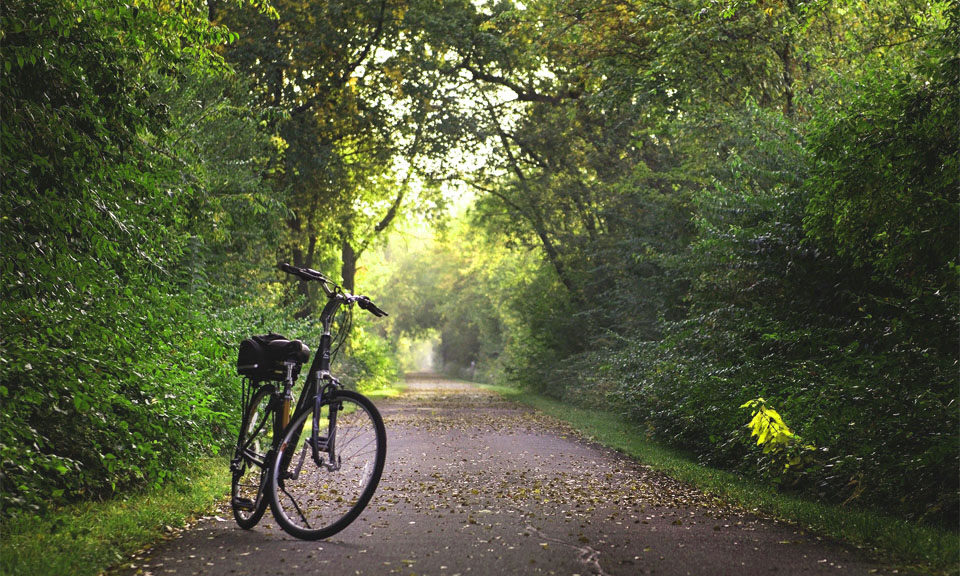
x,y
476,485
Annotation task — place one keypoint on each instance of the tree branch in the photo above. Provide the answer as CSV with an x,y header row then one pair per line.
x,y
533,216
523,94
352,65
395,207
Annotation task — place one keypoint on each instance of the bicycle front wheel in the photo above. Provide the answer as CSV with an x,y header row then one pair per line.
x,y
316,493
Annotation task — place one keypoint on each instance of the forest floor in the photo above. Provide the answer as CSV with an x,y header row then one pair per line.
x,y
475,484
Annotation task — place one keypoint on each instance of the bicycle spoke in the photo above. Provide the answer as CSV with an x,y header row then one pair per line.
x,y
294,502
343,444
354,455
374,451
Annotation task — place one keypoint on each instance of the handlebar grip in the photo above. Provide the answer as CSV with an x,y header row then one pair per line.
x,y
294,271
304,274
376,310
368,305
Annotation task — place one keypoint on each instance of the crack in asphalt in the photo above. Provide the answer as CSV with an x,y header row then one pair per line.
x,y
587,556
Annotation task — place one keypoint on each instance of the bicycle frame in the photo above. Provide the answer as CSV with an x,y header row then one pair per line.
x,y
314,390
320,366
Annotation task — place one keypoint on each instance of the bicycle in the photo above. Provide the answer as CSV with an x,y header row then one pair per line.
x,y
318,467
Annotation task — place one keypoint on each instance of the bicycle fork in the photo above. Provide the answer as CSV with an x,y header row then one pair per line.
x,y
322,448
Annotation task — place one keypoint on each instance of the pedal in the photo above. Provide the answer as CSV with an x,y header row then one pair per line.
x,y
243,503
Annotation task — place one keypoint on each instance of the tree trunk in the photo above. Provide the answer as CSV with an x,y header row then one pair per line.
x,y
305,289
553,256
348,267
789,64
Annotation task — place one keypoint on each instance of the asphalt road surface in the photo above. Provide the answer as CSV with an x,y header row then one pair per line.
x,y
476,485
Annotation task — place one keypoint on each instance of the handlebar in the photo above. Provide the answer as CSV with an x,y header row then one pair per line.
x,y
304,273
332,289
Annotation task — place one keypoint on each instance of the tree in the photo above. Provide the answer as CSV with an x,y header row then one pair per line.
x,y
730,201
99,189
339,80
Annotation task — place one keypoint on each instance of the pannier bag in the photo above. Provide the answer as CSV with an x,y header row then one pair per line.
x,y
262,357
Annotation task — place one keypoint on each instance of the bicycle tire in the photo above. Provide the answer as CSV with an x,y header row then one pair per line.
x,y
308,499
247,496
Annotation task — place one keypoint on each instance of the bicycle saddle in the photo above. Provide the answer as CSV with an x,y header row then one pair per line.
x,y
288,350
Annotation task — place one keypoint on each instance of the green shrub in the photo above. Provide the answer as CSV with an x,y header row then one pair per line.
x,y
369,362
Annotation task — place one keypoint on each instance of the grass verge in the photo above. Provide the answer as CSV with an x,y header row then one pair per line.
x,y
89,537
391,391
924,547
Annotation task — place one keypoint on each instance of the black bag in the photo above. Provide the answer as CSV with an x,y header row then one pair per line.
x,y
263,357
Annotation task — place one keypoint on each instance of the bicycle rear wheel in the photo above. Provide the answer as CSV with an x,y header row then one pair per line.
x,y
249,465
315,498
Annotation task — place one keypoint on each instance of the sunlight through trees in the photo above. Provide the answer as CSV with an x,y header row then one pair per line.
x,y
679,207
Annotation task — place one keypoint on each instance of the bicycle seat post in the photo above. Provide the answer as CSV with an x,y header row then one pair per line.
x,y
287,393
